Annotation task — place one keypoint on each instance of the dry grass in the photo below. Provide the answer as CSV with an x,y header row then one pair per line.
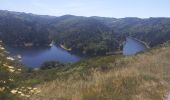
x,y
141,77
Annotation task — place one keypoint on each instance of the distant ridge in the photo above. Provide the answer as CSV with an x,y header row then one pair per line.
x,y
86,35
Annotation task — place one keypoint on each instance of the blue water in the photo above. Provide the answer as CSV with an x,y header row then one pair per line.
x,y
34,57
132,46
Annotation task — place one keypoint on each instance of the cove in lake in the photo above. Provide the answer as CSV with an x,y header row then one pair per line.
x,y
35,56
133,46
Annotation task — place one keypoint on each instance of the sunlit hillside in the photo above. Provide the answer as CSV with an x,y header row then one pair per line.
x,y
84,49
145,76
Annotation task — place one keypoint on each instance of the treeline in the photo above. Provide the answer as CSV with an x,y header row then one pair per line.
x,y
84,35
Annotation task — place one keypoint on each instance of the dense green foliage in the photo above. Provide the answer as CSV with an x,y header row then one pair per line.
x,y
51,65
84,35
20,29
153,31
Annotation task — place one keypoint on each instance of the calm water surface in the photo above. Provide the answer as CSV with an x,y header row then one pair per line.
x,y
132,46
34,57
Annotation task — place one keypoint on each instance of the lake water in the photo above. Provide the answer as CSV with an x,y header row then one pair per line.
x,y
34,57
133,46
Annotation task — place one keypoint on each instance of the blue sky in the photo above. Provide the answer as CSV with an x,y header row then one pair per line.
x,y
105,8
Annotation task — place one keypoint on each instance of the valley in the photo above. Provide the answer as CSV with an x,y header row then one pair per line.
x,y
91,36
83,58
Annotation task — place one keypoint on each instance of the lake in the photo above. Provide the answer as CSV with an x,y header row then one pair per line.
x,y
33,57
133,46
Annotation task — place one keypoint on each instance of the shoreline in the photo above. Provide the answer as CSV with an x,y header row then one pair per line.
x,y
62,46
147,46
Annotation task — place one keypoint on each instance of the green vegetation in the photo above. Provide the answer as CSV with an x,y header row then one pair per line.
x,y
11,87
20,29
51,65
153,31
141,77
144,76
85,35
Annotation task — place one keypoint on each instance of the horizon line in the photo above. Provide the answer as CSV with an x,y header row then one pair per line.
x,y
80,15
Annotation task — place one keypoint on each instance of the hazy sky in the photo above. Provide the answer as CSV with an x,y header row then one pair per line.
x,y
105,8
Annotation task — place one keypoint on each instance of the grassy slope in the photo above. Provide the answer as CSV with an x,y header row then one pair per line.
x,y
145,76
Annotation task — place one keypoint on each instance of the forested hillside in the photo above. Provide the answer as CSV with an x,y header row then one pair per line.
x,y
84,35
19,29
153,31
